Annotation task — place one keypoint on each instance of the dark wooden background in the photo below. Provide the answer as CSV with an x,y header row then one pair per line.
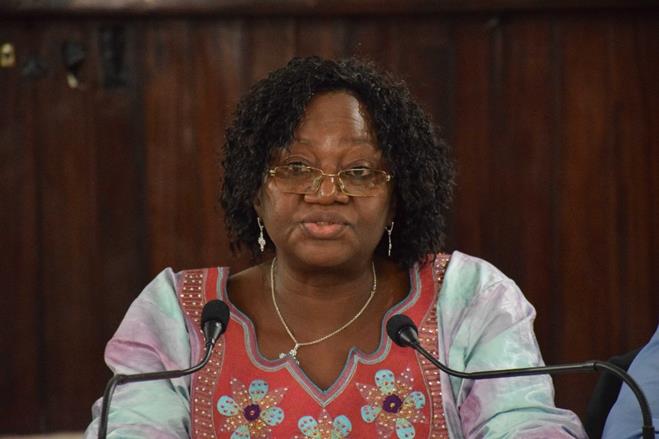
x,y
551,108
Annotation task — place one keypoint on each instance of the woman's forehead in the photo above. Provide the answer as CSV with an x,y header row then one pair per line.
x,y
337,117
333,122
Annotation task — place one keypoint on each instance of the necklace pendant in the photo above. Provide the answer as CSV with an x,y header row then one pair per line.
x,y
292,353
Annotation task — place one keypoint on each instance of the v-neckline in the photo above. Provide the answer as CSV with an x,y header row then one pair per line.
x,y
355,355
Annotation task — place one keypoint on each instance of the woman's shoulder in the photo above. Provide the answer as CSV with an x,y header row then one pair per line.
x,y
468,277
164,287
466,267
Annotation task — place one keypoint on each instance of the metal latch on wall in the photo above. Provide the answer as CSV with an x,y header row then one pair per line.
x,y
7,55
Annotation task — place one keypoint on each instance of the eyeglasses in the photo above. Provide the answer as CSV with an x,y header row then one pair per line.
x,y
302,179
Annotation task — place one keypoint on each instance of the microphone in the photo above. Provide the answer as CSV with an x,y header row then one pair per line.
x,y
214,321
402,330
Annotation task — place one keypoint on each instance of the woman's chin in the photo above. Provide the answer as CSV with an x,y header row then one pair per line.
x,y
326,254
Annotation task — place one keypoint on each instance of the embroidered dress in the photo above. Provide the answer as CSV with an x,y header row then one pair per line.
x,y
382,394
472,318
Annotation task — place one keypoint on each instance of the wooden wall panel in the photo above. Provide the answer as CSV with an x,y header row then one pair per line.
x,y
421,53
592,212
202,8
321,37
217,83
117,133
637,158
523,166
551,116
169,140
369,39
67,180
21,307
270,44
646,43
471,135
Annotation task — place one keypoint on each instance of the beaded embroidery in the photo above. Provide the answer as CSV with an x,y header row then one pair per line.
x,y
205,422
191,296
393,404
253,411
324,427
428,338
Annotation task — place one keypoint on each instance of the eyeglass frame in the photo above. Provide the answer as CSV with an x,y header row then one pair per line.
x,y
272,172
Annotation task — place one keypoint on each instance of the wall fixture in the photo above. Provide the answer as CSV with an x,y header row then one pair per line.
x,y
73,54
112,47
7,55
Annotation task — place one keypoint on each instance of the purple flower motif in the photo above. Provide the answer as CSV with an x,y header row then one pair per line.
x,y
251,413
393,404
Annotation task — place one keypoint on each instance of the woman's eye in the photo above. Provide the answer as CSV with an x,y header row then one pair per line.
x,y
358,172
297,167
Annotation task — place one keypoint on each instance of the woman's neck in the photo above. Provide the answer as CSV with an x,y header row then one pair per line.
x,y
294,281
314,302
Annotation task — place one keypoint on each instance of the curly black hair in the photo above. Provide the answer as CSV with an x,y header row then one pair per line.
x,y
267,116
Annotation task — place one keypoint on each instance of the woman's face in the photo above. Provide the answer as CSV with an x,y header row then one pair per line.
x,y
328,228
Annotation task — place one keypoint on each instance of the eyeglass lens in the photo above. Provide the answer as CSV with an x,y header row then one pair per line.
x,y
307,180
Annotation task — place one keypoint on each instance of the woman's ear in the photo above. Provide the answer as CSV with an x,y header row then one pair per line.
x,y
256,203
391,214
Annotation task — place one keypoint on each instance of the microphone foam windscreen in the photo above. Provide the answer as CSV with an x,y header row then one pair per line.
x,y
217,311
396,324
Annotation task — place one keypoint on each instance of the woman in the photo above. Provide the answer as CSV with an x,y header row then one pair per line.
x,y
336,181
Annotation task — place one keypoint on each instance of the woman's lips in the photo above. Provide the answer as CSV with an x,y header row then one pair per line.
x,y
324,225
323,229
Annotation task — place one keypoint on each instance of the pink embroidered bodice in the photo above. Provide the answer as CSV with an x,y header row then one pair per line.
x,y
391,392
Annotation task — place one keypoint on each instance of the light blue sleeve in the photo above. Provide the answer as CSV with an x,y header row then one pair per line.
x,y
485,323
624,420
153,336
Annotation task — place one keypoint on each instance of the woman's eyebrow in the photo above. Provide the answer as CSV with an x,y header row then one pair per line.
x,y
366,139
301,140
362,139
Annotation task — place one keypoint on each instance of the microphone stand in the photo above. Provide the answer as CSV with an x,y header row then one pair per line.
x,y
123,379
589,366
212,330
214,320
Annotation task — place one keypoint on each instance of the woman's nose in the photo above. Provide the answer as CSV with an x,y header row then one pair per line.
x,y
329,191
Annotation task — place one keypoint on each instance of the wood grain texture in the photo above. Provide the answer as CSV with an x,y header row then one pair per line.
x,y
420,52
117,133
70,241
637,155
471,135
21,307
523,168
304,7
323,37
169,140
588,273
368,38
219,63
551,116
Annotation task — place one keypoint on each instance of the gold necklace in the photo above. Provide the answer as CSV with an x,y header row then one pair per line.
x,y
293,352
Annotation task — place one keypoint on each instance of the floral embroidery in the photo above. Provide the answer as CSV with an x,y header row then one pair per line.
x,y
393,404
324,427
251,413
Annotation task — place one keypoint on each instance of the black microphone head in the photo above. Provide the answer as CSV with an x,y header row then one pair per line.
x,y
401,329
215,311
